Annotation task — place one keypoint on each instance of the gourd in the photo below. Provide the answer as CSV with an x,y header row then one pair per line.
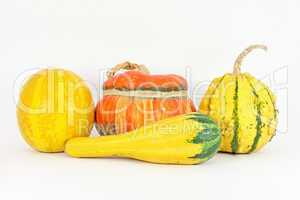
x,y
54,106
135,98
243,107
185,139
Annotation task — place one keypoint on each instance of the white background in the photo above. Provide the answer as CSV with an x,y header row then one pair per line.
x,y
167,36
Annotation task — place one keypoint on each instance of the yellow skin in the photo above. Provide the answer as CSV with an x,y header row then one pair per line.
x,y
169,141
244,108
54,106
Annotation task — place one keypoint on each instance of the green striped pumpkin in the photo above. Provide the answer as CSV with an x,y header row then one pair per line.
x,y
244,108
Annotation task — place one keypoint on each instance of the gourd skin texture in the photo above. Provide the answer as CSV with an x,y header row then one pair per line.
x,y
120,114
117,114
54,106
245,110
185,139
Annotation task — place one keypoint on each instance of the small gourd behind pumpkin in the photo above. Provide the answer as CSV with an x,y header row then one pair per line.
x,y
244,108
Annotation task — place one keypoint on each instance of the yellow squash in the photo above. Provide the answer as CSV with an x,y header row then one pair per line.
x,y
185,139
54,106
244,108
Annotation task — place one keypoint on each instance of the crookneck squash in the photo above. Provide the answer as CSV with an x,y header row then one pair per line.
x,y
135,98
244,108
186,139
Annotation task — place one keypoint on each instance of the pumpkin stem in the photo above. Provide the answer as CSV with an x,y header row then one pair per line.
x,y
238,61
127,66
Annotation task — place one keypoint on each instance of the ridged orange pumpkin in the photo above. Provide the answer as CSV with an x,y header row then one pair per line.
x,y
135,98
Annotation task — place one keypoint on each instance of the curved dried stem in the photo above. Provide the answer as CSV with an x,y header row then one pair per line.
x,y
238,61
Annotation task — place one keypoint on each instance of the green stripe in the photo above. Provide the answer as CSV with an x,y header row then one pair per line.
x,y
209,150
258,117
234,142
213,93
206,135
273,104
202,119
258,127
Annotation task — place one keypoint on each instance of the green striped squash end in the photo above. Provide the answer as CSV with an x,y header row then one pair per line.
x,y
209,136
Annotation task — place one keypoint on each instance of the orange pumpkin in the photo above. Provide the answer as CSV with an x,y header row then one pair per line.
x,y
135,98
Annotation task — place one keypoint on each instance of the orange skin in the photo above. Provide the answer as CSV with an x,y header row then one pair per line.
x,y
118,114
133,80
138,113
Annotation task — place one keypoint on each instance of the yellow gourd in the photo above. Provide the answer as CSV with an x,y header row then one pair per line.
x,y
244,108
54,106
185,139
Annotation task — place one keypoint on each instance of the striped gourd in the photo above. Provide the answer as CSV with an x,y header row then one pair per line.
x,y
185,139
244,108
135,98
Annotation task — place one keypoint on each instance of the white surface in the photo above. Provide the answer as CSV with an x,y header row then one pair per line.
x,y
167,36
